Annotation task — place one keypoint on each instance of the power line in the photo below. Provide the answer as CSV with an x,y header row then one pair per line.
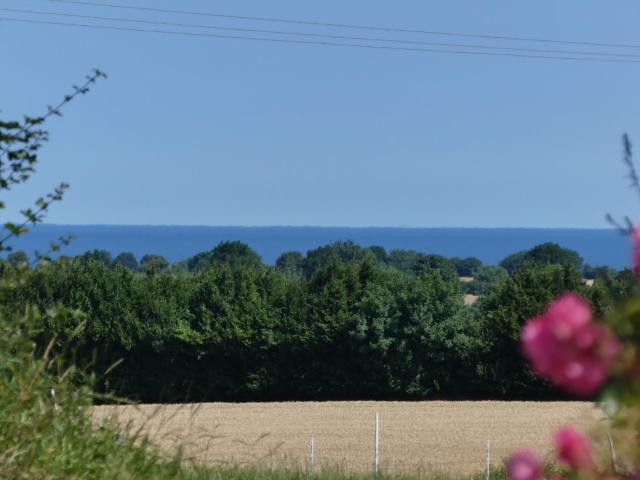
x,y
308,42
318,35
345,25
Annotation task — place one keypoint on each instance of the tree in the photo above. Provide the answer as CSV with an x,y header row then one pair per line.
x,y
380,253
232,253
342,251
428,337
404,260
290,263
611,289
127,260
553,254
410,261
235,254
100,256
591,273
544,254
504,311
486,277
466,267
436,263
513,262
153,264
18,259
371,337
334,292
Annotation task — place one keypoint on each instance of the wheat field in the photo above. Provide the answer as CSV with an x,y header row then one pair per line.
x,y
415,437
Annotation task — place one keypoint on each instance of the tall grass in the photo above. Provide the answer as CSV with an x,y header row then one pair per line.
x,y
42,436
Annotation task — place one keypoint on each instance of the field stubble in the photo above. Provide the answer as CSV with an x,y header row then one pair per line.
x,y
415,437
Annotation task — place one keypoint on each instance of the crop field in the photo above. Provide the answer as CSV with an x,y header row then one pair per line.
x,y
415,437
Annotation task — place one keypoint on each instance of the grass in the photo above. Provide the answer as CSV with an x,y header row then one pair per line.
x,y
276,474
45,438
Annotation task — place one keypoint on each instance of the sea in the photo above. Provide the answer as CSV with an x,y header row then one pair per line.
x,y
598,247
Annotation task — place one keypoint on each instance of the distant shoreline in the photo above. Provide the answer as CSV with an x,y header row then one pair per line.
x,y
342,227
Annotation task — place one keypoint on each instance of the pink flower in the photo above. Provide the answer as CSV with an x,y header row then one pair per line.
x,y
573,448
635,239
524,465
567,348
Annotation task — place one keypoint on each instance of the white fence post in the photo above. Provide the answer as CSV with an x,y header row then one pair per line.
x,y
488,459
55,402
376,444
614,458
312,455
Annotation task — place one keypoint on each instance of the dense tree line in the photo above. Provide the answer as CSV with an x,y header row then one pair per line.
x,y
342,322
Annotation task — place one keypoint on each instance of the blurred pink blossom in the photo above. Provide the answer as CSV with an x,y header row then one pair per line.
x,y
564,346
574,449
524,465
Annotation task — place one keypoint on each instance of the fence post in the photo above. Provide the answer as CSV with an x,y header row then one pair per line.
x,y
56,407
488,459
312,455
614,458
376,444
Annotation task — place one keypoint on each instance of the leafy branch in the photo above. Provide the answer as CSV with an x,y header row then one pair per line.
x,y
19,146
626,226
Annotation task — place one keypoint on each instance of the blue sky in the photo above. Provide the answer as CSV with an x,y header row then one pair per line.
x,y
200,131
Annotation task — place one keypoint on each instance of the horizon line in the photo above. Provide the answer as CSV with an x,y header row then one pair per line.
x,y
396,227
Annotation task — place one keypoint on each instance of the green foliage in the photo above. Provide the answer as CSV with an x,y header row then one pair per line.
x,y
485,278
503,312
405,260
415,262
100,256
355,328
610,289
543,254
290,263
127,260
466,267
18,259
435,341
235,254
352,330
322,257
45,431
513,262
153,264
591,273
379,253
554,254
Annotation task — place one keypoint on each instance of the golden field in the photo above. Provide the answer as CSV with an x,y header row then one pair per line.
x,y
415,437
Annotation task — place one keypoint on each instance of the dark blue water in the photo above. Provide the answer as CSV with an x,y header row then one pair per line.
x,y
597,247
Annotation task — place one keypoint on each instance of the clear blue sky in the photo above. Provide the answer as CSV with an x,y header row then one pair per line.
x,y
225,132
